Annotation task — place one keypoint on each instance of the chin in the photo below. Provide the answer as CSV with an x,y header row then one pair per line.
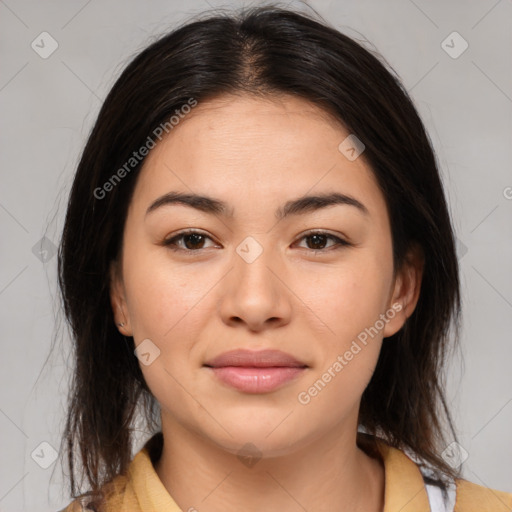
x,y
258,439
256,448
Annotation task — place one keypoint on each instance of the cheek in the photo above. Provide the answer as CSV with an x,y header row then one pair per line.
x,y
163,299
347,299
166,307
334,391
347,305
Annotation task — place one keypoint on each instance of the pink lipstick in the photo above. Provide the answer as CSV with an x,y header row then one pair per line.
x,y
256,371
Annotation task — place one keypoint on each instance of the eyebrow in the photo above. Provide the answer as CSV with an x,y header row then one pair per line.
x,y
219,208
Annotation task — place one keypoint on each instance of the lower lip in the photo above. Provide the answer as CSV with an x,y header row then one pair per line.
x,y
256,380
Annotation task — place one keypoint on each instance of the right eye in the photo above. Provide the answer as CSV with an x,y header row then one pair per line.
x,y
190,238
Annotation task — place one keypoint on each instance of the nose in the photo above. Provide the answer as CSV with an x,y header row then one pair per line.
x,y
255,293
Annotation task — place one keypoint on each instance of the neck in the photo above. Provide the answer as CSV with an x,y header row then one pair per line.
x,y
330,473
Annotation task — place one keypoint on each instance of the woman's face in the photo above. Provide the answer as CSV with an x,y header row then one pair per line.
x,y
253,279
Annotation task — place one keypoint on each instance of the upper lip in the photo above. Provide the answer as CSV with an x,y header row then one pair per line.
x,y
259,359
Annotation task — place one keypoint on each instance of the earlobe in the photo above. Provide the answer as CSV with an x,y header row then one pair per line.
x,y
396,318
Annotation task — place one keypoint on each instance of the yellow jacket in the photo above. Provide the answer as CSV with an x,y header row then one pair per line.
x,y
140,490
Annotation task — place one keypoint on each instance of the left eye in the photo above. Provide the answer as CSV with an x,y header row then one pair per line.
x,y
192,239
319,238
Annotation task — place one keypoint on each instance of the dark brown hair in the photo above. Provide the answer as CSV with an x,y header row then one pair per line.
x,y
260,51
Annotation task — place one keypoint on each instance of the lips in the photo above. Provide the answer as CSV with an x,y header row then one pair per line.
x,y
255,372
255,359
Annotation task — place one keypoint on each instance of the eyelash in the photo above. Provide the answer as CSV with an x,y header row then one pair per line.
x,y
169,243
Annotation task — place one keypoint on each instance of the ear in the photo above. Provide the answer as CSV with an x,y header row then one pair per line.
x,y
406,290
118,299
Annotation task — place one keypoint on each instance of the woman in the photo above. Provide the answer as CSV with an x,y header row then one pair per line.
x,y
258,252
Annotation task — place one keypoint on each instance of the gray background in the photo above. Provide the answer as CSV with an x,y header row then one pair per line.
x,y
48,107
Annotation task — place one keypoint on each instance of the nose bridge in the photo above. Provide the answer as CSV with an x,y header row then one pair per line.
x,y
252,291
252,262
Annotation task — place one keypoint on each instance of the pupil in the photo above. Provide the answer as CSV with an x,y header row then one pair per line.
x,y
194,237
317,237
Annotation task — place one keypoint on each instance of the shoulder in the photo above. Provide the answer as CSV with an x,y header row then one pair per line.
x,y
474,497
77,505
447,494
121,493
113,492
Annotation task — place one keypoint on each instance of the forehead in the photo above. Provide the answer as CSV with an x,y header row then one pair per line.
x,y
253,151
